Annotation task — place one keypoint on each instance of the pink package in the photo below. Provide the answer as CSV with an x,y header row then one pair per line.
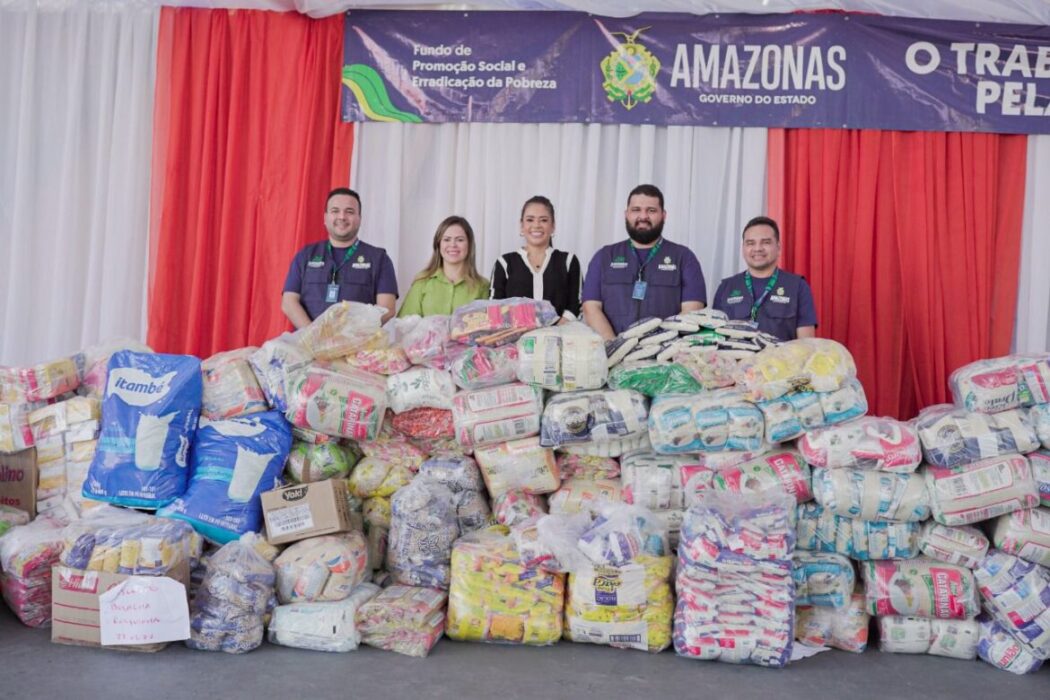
x,y
869,442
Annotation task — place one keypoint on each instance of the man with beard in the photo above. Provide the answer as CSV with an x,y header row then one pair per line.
x,y
779,301
643,276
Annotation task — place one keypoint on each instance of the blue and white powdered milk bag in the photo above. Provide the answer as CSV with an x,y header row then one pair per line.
x,y
231,463
149,415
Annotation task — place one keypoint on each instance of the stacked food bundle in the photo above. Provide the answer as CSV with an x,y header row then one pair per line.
x,y
65,434
408,620
830,612
27,553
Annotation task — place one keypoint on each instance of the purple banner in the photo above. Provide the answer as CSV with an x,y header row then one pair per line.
x,y
800,70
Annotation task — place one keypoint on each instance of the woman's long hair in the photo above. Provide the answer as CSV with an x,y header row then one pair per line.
x,y
470,269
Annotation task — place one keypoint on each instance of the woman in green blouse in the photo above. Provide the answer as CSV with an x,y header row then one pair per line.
x,y
451,278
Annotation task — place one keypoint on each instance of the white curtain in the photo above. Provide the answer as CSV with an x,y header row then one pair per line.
x,y
1032,331
412,176
75,144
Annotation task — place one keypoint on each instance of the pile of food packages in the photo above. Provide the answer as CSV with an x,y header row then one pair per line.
x,y
692,484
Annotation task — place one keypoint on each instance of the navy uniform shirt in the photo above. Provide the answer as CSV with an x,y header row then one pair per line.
x,y
787,307
366,275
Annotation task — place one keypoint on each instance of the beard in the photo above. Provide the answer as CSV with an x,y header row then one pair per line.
x,y
644,236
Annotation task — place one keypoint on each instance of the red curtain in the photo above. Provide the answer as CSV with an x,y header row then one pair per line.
x,y
248,141
911,242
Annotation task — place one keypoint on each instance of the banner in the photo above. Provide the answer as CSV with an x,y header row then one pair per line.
x,y
794,70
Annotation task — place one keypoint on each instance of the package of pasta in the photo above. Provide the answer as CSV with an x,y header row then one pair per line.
x,y
407,620
869,495
423,525
592,416
480,367
1016,593
574,466
391,447
820,530
39,382
420,387
121,541
321,626
715,421
27,553
518,464
497,414
963,545
275,363
1002,383
955,639
953,436
807,364
344,328
495,598
653,378
823,580
230,386
337,400
982,490
580,495
616,447
515,506
562,358
384,359
309,462
655,481
425,423
229,608
871,443
374,477
1025,534
843,628
921,588
781,470
499,321
708,367
1001,649
322,568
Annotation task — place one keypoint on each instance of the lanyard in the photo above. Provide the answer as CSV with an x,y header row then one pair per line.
x,y
346,257
756,303
652,254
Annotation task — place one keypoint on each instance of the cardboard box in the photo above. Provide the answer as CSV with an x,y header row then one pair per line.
x,y
18,480
297,512
75,604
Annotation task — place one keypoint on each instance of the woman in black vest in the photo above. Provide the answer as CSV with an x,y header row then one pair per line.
x,y
537,270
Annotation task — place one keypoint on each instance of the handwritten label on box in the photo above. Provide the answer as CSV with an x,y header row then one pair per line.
x,y
144,610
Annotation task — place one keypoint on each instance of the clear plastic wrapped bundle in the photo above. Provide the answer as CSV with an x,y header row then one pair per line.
x,y
1002,650
499,321
516,506
228,610
128,542
789,416
653,378
423,527
230,386
708,367
736,595
275,363
497,414
1040,418
376,515
15,434
321,626
420,387
495,598
869,495
1002,383
373,477
481,367
573,466
982,490
383,359
323,568
1016,593
655,481
76,417
839,628
953,437
963,545
393,448
1040,462
717,421
870,442
920,587
610,448
92,363
39,382
956,639
820,530
518,464
425,341
1025,534
823,579
463,478
562,358
11,517
330,459
807,364
584,495
781,470
407,620
592,416
27,553
425,423
344,328
338,400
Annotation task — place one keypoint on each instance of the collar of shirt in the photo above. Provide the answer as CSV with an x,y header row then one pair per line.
x,y
524,253
439,275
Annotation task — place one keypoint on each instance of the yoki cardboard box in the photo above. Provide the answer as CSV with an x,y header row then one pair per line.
x,y
18,480
75,605
297,512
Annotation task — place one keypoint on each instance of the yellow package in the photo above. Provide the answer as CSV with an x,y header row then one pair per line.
x,y
629,606
493,598
373,478
59,417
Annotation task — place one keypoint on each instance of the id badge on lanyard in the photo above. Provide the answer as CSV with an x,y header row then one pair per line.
x,y
640,285
332,294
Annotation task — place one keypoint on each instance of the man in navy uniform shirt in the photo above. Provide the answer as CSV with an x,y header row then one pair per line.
x,y
779,301
646,275
341,268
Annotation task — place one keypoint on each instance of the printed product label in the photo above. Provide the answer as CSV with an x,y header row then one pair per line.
x,y
610,585
287,521
627,635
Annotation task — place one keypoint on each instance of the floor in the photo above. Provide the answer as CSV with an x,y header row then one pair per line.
x,y
33,667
